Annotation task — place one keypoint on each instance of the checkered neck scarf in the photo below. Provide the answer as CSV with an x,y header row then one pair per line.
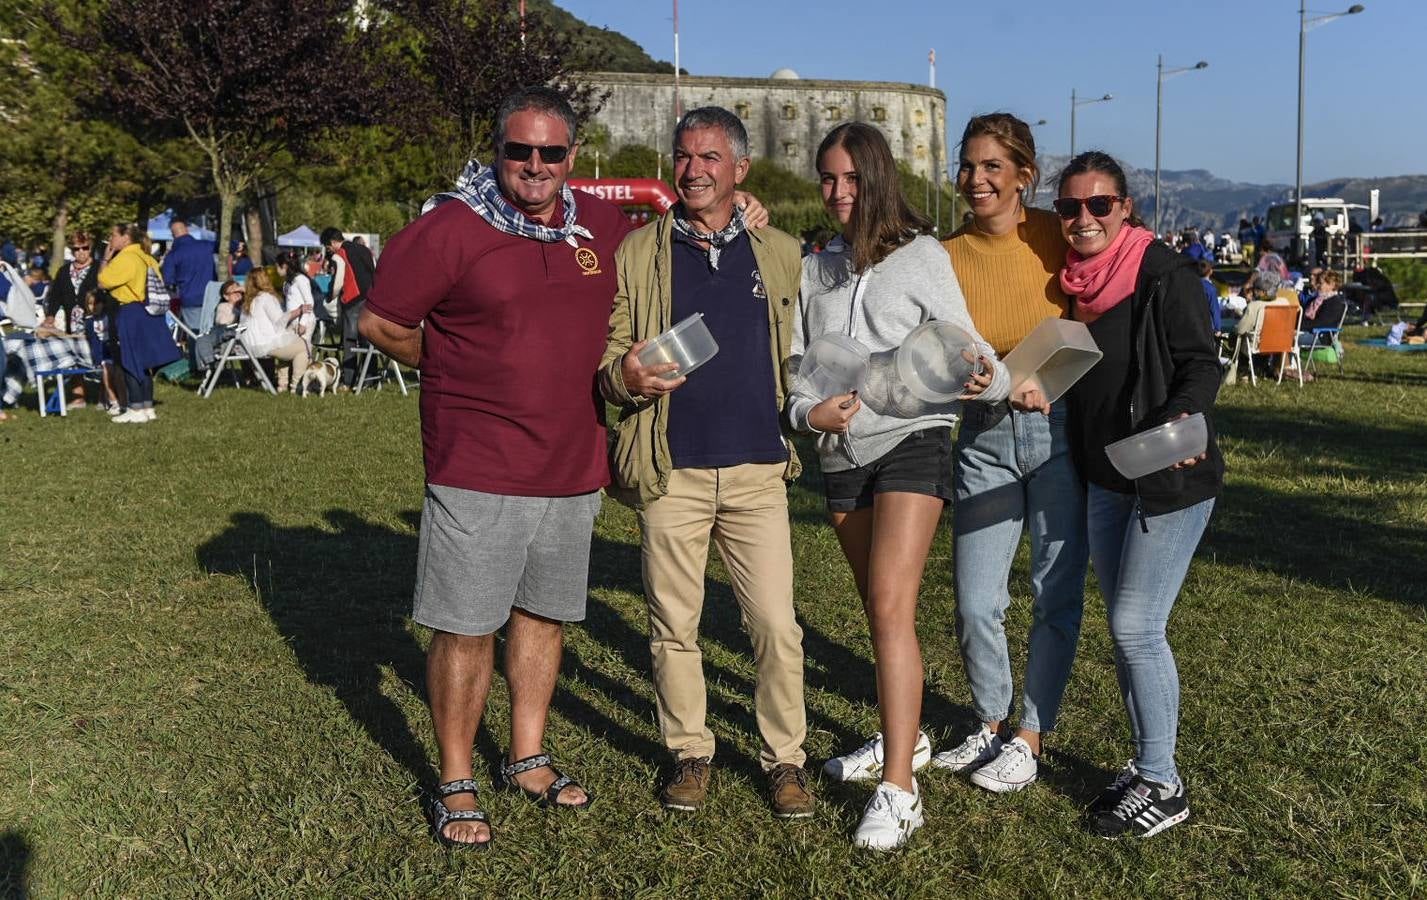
x,y
479,189
717,240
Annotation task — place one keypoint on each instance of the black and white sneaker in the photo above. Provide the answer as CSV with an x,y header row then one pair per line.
x,y
1110,797
1146,808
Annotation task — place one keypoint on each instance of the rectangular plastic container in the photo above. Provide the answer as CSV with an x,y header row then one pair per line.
x,y
1055,355
688,343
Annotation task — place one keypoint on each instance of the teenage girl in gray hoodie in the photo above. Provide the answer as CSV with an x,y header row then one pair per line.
x,y
885,276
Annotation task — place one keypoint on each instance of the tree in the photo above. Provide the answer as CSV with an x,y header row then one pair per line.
x,y
245,80
470,54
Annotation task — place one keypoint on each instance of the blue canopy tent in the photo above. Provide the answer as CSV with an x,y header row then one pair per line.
x,y
159,231
301,236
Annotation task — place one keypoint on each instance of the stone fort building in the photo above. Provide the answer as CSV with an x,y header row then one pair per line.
x,y
786,116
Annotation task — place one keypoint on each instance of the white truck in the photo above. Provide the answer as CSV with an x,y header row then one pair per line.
x,y
1278,224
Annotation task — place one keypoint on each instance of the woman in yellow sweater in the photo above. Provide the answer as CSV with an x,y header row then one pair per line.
x,y
143,340
1012,470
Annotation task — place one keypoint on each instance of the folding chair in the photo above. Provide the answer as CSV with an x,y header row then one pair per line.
x,y
385,365
235,349
55,403
1278,336
1327,338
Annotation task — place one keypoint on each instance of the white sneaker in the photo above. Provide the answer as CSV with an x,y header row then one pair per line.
x,y
149,414
132,416
1012,769
979,748
114,410
890,818
865,763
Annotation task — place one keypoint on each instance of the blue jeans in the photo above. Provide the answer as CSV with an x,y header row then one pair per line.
x,y
1140,574
1013,472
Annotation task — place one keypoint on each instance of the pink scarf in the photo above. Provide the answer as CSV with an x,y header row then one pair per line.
x,y
1103,281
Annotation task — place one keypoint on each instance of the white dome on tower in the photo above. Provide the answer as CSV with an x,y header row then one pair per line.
x,y
784,73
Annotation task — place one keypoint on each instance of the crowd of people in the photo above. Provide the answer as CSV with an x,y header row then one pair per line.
x,y
515,467
94,303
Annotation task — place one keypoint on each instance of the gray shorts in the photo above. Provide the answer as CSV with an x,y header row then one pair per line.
x,y
481,554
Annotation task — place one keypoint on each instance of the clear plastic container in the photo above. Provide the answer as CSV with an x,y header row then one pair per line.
x,y
688,344
1055,355
1159,448
833,364
936,360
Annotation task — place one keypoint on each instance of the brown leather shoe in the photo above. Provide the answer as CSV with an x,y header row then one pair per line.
x,y
789,793
688,786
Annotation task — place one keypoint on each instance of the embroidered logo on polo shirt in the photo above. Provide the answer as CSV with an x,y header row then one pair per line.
x,y
759,291
586,259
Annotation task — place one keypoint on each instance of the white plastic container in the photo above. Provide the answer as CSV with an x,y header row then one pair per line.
x,y
833,364
1055,355
688,344
933,362
1159,448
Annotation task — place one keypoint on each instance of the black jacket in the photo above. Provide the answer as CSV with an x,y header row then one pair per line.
x,y
61,293
1173,369
363,268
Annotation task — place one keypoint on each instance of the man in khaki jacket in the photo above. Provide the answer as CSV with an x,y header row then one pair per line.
x,y
704,456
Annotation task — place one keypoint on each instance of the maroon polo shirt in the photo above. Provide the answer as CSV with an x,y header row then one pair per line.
x,y
514,331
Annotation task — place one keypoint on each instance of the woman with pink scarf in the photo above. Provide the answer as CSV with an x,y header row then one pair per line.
x,y
1143,305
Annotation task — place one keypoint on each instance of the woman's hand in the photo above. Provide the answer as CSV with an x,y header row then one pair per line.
x,y
833,414
1186,463
755,216
1029,398
978,382
647,382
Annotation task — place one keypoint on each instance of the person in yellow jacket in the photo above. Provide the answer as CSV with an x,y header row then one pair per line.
x,y
144,342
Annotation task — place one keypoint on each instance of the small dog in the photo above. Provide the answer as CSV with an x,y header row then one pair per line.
x,y
324,372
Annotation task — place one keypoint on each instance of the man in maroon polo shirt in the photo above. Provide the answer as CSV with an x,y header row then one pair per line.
x,y
501,292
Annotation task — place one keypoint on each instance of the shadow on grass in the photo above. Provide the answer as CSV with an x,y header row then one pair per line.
x,y
1339,540
14,865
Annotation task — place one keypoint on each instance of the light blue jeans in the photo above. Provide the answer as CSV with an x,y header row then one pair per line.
x,y
1013,472
1140,574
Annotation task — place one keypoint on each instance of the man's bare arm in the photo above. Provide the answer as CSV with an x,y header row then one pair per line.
x,y
397,341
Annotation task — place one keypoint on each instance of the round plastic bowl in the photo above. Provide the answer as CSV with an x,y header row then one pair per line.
x,y
833,364
1159,448
932,362
688,344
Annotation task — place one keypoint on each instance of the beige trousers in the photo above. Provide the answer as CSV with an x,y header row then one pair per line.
x,y
745,510
293,348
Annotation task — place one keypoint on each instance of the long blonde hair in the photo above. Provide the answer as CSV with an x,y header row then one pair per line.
x,y
258,283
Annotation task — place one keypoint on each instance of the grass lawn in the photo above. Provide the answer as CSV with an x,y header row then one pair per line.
x,y
210,685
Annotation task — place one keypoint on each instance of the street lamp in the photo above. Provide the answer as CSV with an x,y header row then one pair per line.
x,y
1304,25
1164,73
1075,104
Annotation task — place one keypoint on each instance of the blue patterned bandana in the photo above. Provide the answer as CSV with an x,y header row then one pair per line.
x,y
479,189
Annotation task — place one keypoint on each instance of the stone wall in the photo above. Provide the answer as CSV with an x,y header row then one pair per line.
x,y
786,117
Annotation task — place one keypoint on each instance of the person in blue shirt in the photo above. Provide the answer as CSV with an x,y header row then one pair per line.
x,y
1211,293
187,268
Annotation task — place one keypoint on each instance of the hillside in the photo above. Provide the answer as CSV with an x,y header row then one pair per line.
x,y
601,48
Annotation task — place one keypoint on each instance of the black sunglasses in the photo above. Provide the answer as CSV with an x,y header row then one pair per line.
x,y
550,154
1099,205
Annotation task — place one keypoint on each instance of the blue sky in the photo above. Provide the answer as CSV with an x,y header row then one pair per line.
x,y
1366,84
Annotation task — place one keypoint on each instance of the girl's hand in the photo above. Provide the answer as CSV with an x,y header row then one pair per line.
x,y
978,383
1186,463
833,414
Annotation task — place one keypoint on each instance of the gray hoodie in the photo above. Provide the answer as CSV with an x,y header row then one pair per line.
x,y
914,284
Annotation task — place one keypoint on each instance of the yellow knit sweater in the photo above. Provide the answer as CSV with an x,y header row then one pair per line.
x,y
1010,280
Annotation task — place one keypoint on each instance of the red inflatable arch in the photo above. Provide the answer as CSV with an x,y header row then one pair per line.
x,y
629,191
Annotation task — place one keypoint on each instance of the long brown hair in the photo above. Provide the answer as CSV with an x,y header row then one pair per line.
x,y
882,219
257,283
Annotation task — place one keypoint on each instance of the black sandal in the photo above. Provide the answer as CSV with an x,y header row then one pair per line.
x,y
442,815
550,797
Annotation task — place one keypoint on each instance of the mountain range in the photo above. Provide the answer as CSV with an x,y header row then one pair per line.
x,y
1200,198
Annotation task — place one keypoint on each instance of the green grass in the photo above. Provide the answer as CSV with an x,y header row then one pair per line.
x,y
210,686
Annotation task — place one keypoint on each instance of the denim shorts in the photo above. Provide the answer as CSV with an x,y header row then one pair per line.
x,y
920,464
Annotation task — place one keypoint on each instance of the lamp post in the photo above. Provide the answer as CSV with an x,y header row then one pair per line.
x,y
1076,104
1162,74
1305,24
